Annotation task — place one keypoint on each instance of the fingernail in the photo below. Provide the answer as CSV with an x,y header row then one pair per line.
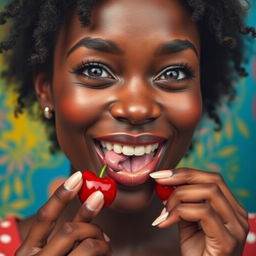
x,y
163,211
161,174
107,239
72,182
34,251
160,219
95,201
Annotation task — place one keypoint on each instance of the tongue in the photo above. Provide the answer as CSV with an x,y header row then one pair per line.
x,y
120,162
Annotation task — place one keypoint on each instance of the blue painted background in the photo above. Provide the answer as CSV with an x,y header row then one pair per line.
x,y
28,173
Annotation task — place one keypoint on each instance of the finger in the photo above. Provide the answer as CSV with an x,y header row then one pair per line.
x,y
208,193
90,207
34,251
68,235
212,226
91,247
47,215
183,176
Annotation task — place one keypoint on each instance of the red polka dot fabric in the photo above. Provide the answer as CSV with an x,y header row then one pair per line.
x,y
10,238
250,247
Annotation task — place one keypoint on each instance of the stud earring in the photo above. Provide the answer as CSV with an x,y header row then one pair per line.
x,y
48,113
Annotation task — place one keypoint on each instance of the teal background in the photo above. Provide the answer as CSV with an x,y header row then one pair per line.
x,y
29,174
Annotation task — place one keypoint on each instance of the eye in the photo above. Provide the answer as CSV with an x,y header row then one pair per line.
x,y
94,70
172,74
175,73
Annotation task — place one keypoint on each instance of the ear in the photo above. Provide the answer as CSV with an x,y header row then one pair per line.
x,y
43,90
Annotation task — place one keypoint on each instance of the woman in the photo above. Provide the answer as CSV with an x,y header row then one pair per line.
x,y
125,83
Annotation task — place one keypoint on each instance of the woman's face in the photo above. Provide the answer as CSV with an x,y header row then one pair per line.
x,y
126,92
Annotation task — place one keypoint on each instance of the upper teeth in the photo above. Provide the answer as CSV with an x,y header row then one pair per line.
x,y
129,150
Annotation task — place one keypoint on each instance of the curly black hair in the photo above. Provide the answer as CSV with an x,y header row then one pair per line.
x,y
35,26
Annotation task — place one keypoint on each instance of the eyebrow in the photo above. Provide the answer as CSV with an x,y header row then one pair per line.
x,y
97,44
176,46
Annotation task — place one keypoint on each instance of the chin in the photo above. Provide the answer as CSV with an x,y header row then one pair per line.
x,y
133,199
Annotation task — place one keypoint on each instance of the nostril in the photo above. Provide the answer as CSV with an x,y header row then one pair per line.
x,y
122,119
126,120
151,119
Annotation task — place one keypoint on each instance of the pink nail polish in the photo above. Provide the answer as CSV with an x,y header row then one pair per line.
x,y
163,211
106,237
161,174
72,182
160,219
95,201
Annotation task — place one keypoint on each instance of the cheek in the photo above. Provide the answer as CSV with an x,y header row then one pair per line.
x,y
185,110
184,113
78,106
76,110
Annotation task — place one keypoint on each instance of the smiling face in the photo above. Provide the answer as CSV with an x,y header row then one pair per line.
x,y
126,92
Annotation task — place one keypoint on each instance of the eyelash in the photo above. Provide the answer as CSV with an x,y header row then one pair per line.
x,y
81,67
184,67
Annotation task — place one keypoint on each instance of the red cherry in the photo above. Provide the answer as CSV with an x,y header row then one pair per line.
x,y
92,183
163,191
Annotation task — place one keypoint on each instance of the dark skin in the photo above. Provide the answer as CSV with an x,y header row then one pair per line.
x,y
132,93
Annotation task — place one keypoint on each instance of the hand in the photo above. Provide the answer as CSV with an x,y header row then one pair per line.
x,y
74,238
211,221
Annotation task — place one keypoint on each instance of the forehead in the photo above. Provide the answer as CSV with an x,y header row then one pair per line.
x,y
145,22
136,15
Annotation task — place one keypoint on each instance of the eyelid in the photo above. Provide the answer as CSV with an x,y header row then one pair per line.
x,y
186,68
85,64
102,65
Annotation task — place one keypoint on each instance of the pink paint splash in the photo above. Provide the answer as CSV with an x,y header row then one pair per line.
x,y
254,107
254,69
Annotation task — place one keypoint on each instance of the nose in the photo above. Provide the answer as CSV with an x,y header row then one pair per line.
x,y
136,104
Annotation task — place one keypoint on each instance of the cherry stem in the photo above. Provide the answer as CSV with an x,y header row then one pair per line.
x,y
103,169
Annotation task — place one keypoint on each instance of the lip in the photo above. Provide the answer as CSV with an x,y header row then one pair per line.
x,y
132,179
132,139
135,178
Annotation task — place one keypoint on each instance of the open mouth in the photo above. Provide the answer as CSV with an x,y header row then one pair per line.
x,y
129,164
